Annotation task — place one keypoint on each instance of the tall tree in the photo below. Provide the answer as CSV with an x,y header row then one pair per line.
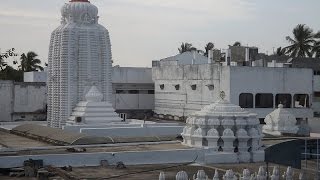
x,y
280,51
185,47
316,45
237,43
3,64
30,62
302,42
208,47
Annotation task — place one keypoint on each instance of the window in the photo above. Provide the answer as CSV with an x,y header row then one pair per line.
x,y
317,94
120,92
133,91
210,87
150,91
177,87
194,87
316,72
264,100
161,86
246,100
301,100
284,99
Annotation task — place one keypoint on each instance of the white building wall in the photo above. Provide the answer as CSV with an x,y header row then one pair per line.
x,y
30,97
35,76
182,102
131,78
6,100
316,81
22,101
271,80
232,80
132,75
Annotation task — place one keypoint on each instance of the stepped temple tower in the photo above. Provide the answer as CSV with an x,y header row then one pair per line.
x,y
79,58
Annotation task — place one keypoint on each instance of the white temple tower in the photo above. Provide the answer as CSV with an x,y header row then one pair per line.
x,y
79,58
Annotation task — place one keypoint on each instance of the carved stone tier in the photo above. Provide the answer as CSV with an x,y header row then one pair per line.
x,y
226,129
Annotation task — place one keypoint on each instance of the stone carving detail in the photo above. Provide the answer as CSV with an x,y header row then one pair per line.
x,y
302,176
224,127
275,173
262,174
79,57
216,175
201,175
182,175
162,176
288,175
245,175
230,175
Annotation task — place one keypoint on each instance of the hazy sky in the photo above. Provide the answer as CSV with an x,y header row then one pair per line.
x,y
146,30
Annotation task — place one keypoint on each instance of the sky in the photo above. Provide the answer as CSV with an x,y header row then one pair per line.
x,y
146,30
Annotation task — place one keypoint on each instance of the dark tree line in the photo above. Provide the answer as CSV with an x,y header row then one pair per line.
x,y
28,62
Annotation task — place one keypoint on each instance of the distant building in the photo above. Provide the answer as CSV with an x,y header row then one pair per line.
x,y
309,63
184,58
238,54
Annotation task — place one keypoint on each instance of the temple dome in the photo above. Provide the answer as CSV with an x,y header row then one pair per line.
x,y
224,127
80,11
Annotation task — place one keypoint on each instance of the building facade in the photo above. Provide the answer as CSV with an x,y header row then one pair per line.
x,y
183,89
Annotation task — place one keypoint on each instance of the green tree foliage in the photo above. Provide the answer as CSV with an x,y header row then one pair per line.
x,y
3,64
237,43
185,47
208,47
301,44
30,62
280,51
9,73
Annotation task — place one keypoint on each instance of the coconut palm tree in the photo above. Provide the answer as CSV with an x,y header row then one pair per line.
x,y
316,45
302,42
237,43
3,64
208,47
280,51
29,62
185,47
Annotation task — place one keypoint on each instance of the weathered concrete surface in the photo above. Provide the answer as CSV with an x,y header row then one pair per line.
x,y
93,159
134,131
13,141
